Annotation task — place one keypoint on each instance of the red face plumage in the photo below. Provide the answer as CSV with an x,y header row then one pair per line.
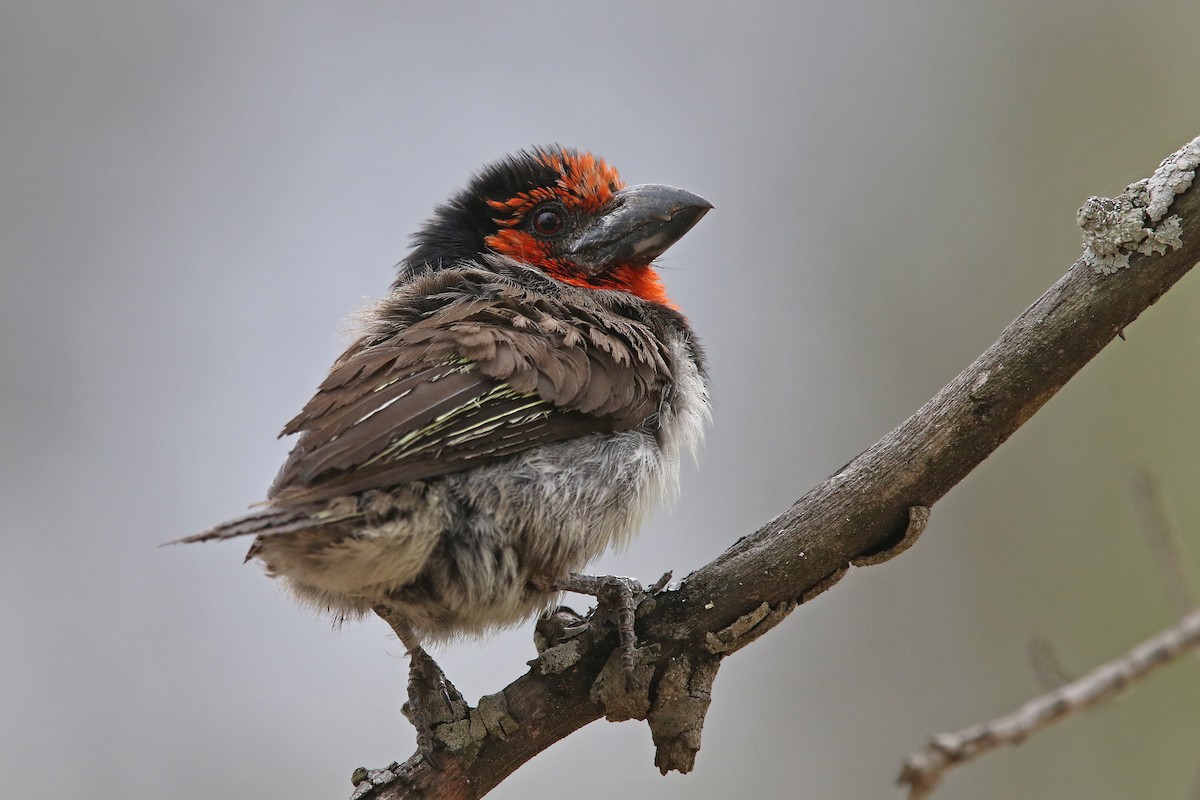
x,y
584,189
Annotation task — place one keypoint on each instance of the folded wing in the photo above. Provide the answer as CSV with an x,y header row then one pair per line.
x,y
470,370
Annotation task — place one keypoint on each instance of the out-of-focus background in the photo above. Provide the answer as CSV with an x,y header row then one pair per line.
x,y
197,195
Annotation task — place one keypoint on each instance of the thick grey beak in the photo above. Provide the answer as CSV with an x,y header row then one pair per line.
x,y
642,222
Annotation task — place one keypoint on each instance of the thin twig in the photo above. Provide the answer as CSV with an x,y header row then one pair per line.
x,y
1046,664
1162,541
924,770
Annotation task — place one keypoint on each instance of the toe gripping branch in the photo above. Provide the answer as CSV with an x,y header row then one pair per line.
x,y
619,596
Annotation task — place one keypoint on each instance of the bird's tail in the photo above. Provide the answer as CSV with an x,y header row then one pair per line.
x,y
271,520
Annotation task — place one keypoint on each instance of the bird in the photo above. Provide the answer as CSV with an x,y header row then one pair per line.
x,y
512,408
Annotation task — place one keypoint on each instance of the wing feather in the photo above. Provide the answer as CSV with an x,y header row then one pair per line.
x,y
470,369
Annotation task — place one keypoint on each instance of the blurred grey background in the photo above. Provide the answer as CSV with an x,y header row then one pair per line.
x,y
197,195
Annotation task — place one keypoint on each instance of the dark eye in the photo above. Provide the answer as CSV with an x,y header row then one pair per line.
x,y
549,219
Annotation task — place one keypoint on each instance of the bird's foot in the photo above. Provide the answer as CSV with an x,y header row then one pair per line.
x,y
621,595
432,698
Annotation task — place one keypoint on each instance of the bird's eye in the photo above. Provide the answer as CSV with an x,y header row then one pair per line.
x,y
549,219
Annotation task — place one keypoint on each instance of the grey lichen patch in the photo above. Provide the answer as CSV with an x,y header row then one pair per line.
x,y
462,738
1173,177
366,780
1168,235
465,737
559,658
493,712
1115,228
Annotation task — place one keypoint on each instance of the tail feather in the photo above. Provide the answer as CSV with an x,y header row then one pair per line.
x,y
275,520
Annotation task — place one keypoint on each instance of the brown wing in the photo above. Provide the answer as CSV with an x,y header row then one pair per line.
x,y
465,371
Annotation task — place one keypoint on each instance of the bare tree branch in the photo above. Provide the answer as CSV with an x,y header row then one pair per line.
x,y
924,770
1136,247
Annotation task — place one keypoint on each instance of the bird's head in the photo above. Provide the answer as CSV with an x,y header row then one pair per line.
x,y
568,214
